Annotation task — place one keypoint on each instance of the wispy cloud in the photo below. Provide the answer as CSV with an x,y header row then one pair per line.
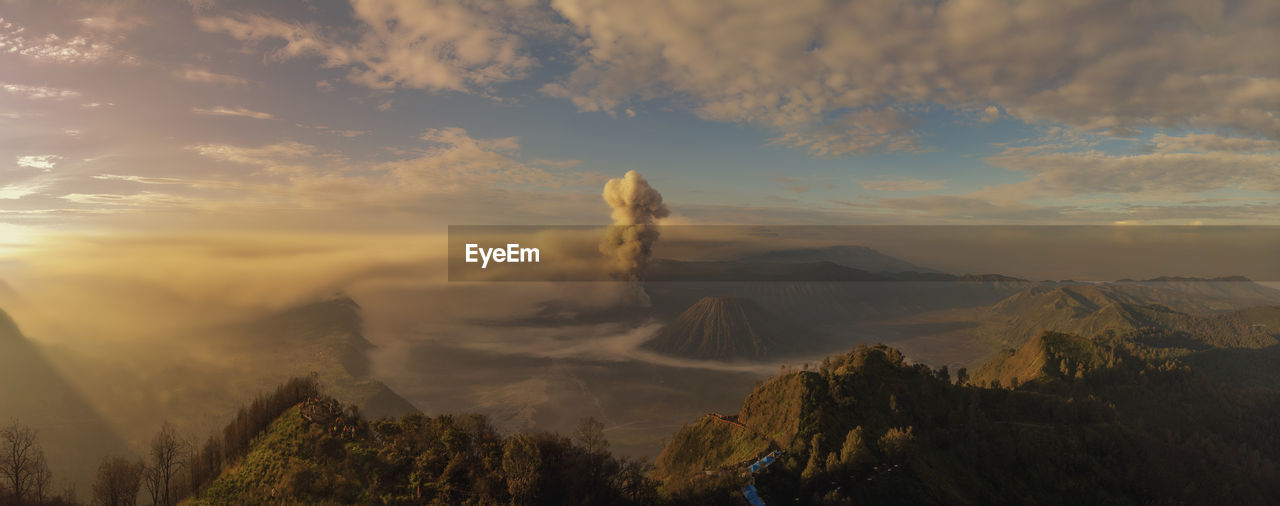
x,y
38,92
200,75
909,184
232,111
17,40
16,191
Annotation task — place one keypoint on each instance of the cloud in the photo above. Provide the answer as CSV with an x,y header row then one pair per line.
x,y
38,92
16,40
1162,143
198,75
1187,164
16,191
857,132
278,155
441,45
990,114
141,199
42,162
236,111
140,179
909,184
793,66
449,161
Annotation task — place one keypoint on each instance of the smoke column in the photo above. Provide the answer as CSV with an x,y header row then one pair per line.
x,y
628,244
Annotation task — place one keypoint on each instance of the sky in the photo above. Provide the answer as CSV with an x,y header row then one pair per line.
x,y
405,116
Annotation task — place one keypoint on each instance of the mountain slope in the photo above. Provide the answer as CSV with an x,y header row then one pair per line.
x,y
721,327
868,428
1050,355
1089,310
72,433
325,338
317,453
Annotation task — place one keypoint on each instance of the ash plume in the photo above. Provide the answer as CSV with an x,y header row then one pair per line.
x,y
636,207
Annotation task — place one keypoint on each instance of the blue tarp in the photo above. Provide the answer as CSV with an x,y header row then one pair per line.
x,y
764,462
749,492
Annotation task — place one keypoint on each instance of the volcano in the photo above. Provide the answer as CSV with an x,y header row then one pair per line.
x,y
723,327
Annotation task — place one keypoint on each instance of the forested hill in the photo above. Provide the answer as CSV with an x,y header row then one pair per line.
x,y
1062,420
869,428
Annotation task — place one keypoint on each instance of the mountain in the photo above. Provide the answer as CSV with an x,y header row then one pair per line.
x,y
73,434
666,270
198,379
868,427
324,338
315,452
722,327
1050,355
1212,294
856,257
819,303
1087,310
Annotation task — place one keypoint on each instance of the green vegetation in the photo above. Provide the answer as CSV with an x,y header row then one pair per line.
x,y
1063,419
1093,421
1160,314
319,453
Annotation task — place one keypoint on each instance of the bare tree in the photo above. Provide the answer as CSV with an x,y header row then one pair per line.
x,y
118,482
41,479
590,435
20,460
168,457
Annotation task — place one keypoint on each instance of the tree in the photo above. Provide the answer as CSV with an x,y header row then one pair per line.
x,y
21,461
634,480
897,442
590,435
816,462
854,452
521,463
168,457
962,376
41,479
118,482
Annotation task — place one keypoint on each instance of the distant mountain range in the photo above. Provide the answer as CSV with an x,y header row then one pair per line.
x,y
1091,309
856,257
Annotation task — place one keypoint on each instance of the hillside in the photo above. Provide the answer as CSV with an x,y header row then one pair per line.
x,y
1097,421
867,427
316,452
1089,310
33,392
1048,356
1214,294
325,338
718,328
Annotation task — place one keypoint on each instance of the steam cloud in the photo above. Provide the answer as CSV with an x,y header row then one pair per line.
x,y
629,242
